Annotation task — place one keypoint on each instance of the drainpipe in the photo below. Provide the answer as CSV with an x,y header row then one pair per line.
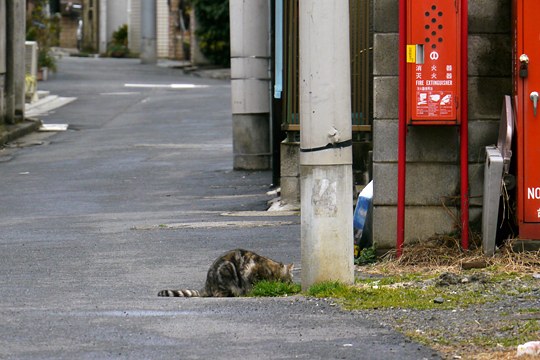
x,y
464,129
276,31
402,126
278,62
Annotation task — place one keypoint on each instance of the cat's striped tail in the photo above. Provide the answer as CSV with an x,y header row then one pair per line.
x,y
180,293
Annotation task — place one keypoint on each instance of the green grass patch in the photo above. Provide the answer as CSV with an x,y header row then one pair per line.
x,y
331,289
529,311
381,294
274,288
390,280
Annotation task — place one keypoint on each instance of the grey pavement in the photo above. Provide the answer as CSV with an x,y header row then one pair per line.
x,y
139,195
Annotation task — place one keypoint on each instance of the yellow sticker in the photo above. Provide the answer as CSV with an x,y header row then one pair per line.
x,y
411,53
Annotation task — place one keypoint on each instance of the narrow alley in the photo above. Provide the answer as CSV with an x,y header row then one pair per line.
x,y
139,195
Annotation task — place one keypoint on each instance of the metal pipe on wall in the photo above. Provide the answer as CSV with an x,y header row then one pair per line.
x,y
464,129
402,126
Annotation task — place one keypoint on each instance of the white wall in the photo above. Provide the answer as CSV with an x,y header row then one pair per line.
x,y
112,15
133,19
162,24
134,25
117,15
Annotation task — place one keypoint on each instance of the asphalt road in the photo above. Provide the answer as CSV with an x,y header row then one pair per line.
x,y
136,196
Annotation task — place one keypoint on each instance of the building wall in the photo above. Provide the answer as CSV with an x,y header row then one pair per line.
x,y
68,32
69,21
176,41
433,176
91,25
134,26
116,16
112,15
162,23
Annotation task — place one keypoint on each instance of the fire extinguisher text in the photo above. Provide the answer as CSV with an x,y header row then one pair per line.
x,y
533,193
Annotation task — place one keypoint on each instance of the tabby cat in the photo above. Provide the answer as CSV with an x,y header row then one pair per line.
x,y
234,273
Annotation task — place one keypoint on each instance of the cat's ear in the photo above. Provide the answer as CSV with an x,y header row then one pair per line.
x,y
290,267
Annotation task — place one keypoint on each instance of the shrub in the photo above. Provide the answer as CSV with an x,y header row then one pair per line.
x,y
213,30
118,46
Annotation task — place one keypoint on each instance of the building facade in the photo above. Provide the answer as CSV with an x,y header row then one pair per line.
x,y
433,152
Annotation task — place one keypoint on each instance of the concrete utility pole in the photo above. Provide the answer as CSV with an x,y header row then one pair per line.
x,y
325,142
16,33
3,60
250,83
148,32
103,5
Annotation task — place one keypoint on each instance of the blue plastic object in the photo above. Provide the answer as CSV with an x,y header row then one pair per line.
x,y
362,217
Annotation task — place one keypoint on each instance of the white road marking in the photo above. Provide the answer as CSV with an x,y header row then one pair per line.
x,y
120,93
166,86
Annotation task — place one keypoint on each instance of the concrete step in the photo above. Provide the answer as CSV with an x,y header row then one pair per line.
x,y
43,106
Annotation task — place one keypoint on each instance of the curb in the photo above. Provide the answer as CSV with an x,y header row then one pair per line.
x,y
9,133
219,74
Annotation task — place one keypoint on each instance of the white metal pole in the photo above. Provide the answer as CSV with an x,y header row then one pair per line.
x,y
325,142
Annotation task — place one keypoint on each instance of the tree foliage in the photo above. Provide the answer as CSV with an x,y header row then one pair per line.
x,y
213,29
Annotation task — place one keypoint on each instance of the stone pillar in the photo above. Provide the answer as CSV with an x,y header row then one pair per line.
x,y
250,81
148,32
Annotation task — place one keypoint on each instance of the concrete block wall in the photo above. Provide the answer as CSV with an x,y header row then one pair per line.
x,y
290,172
433,176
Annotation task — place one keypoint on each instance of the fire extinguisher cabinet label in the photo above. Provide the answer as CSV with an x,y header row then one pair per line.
x,y
433,62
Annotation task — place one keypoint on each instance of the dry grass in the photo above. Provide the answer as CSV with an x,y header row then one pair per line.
x,y
443,253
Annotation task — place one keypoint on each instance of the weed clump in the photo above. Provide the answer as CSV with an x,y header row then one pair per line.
x,y
274,289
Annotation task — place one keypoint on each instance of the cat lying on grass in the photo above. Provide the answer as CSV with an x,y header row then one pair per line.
x,y
234,274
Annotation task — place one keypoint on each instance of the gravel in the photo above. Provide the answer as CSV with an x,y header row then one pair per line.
x,y
491,330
